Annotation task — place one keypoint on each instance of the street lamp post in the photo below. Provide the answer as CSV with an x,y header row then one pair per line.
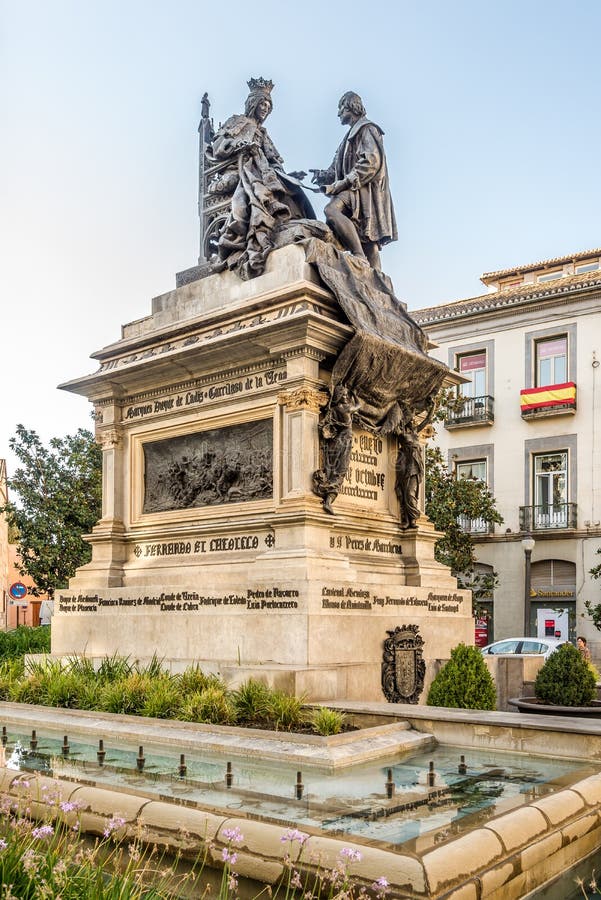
x,y
528,543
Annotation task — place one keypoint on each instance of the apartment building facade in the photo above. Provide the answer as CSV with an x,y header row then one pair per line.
x,y
529,426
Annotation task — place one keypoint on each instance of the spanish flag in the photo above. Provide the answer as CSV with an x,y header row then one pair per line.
x,y
551,395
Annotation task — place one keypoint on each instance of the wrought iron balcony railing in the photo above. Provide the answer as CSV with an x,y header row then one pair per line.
x,y
548,516
475,526
471,411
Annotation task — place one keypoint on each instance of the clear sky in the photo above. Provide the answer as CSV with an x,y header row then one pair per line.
x,y
493,136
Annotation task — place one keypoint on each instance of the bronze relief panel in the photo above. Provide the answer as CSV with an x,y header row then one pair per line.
x,y
225,465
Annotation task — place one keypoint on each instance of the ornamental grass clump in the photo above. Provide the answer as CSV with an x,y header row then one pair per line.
x,y
193,680
565,679
286,711
212,706
464,682
163,698
251,703
121,686
127,695
327,721
11,671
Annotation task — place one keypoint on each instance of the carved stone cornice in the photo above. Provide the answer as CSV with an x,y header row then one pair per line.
x,y
305,350
303,398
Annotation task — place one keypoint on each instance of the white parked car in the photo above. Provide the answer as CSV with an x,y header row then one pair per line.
x,y
522,646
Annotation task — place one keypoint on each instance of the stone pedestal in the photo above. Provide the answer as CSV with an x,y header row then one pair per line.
x,y
212,547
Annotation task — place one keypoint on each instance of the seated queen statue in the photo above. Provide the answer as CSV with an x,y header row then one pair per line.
x,y
263,196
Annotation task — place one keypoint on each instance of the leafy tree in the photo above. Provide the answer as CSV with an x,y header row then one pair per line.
x,y
594,609
464,682
447,500
58,490
565,679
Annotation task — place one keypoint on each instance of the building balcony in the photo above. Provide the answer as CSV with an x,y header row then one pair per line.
x,y
471,411
548,517
551,400
475,526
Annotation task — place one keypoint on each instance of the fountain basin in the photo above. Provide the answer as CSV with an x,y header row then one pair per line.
x,y
496,851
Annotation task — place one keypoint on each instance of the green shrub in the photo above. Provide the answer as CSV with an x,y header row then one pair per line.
x,y
252,702
286,711
327,721
211,705
24,640
464,682
565,679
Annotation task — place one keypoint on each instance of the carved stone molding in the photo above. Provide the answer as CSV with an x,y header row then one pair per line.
x,y
303,398
403,669
213,331
109,438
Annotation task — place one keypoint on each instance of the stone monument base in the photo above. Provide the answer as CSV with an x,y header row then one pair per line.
x,y
212,547
311,623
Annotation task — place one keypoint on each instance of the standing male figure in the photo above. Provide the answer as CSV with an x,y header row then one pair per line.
x,y
360,212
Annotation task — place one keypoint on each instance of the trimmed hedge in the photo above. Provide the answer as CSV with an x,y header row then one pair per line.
x,y
566,679
464,682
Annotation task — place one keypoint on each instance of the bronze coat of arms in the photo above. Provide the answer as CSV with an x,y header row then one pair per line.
x,y
403,668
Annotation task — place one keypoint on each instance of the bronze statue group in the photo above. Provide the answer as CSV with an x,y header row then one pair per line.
x,y
264,203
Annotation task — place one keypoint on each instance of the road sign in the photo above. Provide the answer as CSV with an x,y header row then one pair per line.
x,y
17,590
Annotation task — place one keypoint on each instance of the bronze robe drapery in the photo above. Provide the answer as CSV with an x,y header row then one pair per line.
x,y
262,195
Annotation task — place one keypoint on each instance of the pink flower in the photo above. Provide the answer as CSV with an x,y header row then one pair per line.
x,y
228,857
67,806
112,825
43,831
381,886
350,854
293,834
233,835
